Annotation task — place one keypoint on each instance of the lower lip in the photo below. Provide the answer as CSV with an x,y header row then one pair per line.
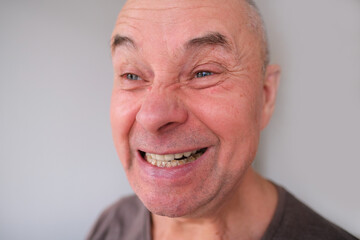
x,y
168,173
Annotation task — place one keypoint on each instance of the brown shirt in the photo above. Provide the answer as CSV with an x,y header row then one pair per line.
x,y
128,219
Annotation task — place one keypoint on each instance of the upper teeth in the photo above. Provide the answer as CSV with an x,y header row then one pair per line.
x,y
169,157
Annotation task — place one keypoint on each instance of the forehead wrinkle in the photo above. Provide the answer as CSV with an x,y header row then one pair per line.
x,y
182,7
130,10
132,15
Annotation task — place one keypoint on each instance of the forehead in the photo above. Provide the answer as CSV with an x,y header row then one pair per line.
x,y
171,23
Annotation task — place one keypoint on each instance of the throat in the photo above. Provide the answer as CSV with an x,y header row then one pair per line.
x,y
164,228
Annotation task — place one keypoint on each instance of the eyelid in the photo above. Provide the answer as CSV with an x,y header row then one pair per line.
x,y
213,67
129,84
217,76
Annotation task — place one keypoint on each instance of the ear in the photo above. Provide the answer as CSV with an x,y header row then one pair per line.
x,y
270,86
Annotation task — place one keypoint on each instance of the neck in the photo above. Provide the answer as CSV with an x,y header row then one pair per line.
x,y
245,215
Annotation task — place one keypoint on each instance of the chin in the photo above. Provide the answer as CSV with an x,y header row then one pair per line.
x,y
171,204
175,205
167,206
171,213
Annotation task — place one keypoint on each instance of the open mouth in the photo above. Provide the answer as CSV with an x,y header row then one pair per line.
x,y
172,160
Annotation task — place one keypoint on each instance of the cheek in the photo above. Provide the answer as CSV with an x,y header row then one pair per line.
x,y
230,114
123,111
234,117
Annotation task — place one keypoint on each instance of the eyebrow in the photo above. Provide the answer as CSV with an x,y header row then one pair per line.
x,y
212,38
119,40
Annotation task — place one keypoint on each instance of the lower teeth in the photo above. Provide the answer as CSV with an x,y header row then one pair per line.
x,y
172,163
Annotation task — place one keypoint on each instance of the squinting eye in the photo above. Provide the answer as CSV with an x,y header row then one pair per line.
x,y
132,76
203,74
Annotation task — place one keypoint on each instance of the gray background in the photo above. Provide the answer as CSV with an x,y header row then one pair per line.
x,y
58,167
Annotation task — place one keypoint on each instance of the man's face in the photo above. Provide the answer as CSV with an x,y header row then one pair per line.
x,y
188,78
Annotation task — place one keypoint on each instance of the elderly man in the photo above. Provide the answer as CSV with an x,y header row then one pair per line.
x,y
192,91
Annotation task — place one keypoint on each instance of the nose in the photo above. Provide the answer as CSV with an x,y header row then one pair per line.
x,y
161,111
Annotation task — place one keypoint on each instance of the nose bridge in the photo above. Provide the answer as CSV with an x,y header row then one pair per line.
x,y
161,109
160,99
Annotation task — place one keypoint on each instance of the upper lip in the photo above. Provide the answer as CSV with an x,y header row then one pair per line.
x,y
171,151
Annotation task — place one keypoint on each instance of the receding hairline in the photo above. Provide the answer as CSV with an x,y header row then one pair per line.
x,y
256,23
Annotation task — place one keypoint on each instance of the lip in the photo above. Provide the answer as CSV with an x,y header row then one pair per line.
x,y
171,174
170,152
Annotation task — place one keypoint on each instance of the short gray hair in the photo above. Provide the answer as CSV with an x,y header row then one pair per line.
x,y
256,22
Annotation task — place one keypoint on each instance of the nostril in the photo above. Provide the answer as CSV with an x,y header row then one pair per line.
x,y
164,127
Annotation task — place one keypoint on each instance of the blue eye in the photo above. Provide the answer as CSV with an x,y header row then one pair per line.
x,y
203,74
131,76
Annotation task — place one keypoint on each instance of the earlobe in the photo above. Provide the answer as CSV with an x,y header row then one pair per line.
x,y
270,86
